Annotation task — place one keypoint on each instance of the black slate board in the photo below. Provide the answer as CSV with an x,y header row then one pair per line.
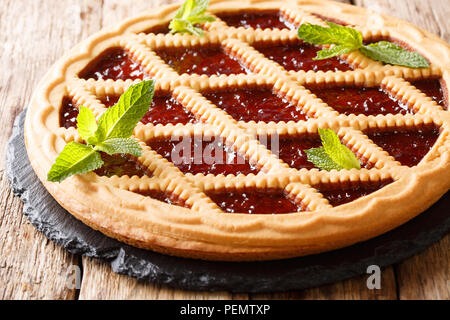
x,y
59,226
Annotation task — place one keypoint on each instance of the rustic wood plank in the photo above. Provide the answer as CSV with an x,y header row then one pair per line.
x,y
99,282
431,15
424,276
31,267
33,35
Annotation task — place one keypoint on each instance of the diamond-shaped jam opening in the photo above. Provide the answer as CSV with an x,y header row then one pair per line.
x,y
255,19
115,64
360,100
208,60
162,196
340,194
299,56
68,113
202,154
406,145
432,88
164,109
255,201
291,149
257,104
120,165
162,28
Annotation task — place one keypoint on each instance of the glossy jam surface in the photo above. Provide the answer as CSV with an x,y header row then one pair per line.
x,y
354,100
120,165
164,109
202,155
247,19
292,149
257,104
407,147
109,100
255,201
300,56
201,60
337,195
163,28
161,196
115,64
68,113
432,88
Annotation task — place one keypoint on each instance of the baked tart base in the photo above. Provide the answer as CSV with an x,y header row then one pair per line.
x,y
399,132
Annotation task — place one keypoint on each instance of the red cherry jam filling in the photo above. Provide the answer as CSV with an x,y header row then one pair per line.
x,y
257,104
338,194
360,100
120,165
164,109
432,88
162,196
250,19
291,149
109,100
115,64
163,29
253,201
406,146
68,113
299,56
202,155
208,60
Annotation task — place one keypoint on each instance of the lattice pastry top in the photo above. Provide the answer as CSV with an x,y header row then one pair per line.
x,y
247,84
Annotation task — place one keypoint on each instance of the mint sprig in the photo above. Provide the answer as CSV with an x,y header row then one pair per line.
x,y
191,13
112,134
332,154
345,39
392,53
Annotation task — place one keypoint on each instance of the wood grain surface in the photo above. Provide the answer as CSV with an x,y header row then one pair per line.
x,y
33,35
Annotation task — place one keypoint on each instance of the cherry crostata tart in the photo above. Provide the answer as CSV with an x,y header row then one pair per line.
x,y
247,83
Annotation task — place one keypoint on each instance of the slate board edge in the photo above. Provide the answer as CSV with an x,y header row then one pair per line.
x,y
123,261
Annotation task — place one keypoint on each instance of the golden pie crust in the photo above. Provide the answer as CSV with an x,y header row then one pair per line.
x,y
203,230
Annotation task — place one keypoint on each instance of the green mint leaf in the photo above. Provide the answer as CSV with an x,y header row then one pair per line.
x,y
183,26
87,125
185,10
199,7
333,154
111,135
120,145
76,158
339,153
321,159
334,34
332,52
394,54
191,13
119,120
200,19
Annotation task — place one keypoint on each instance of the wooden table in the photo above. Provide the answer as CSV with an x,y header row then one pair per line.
x,y
33,35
